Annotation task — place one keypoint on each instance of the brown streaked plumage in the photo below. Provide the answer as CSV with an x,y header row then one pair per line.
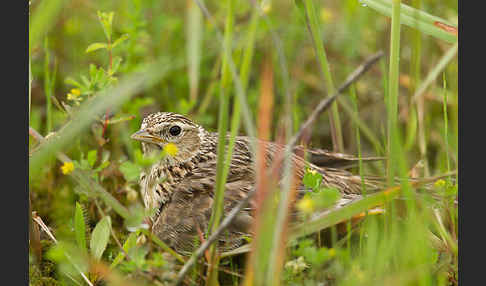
x,y
181,187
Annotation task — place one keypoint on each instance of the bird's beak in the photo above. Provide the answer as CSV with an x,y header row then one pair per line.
x,y
144,136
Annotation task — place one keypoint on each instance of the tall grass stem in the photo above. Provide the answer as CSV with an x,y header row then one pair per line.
x,y
392,104
313,24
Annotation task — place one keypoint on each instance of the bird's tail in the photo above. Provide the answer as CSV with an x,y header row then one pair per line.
x,y
350,183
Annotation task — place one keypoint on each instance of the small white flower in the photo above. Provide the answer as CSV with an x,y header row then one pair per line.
x,y
297,265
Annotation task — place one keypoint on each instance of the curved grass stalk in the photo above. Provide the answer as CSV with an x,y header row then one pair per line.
x,y
417,19
89,110
217,211
42,18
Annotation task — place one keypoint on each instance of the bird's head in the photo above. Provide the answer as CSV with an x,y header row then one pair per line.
x,y
172,132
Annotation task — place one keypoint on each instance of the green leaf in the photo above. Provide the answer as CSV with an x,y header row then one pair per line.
x,y
80,227
96,46
81,164
119,40
71,81
106,20
137,254
326,197
100,75
129,243
116,65
130,171
312,179
85,80
100,237
92,157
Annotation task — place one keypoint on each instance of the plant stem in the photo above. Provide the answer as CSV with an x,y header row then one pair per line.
x,y
416,76
352,92
392,106
222,129
48,86
446,127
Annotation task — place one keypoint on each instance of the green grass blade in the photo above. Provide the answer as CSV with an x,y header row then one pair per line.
x,y
392,103
92,187
162,245
49,83
244,75
432,75
194,34
352,93
446,126
223,118
414,18
217,211
333,217
406,10
335,121
344,213
42,18
30,86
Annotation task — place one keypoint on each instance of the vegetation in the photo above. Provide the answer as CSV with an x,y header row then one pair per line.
x,y
244,67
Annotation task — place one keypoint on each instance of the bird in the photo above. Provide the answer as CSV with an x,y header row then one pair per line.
x,y
180,187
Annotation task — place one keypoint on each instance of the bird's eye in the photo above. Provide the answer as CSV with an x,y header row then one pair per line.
x,y
175,130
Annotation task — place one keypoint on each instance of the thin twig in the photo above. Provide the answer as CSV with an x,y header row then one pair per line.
x,y
322,106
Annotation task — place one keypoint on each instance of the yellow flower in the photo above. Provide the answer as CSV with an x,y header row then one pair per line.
x,y
67,168
171,149
439,183
306,205
71,96
332,252
76,91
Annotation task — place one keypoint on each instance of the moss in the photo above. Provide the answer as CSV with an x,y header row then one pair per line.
x,y
38,278
43,273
